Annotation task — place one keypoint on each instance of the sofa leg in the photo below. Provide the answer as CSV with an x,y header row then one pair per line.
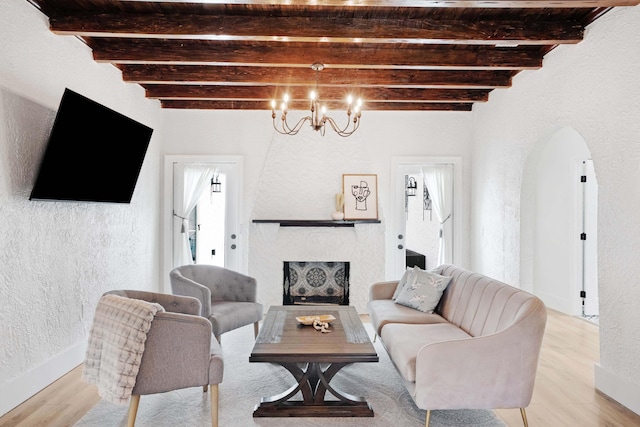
x,y
256,328
524,417
205,388
426,424
133,410
375,337
214,405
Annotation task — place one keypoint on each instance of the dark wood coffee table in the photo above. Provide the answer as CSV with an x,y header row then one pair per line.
x,y
313,358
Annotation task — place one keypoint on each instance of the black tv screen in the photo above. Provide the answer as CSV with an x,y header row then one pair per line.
x,y
94,154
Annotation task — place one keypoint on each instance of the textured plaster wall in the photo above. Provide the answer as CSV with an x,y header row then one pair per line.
x,y
56,259
593,88
297,177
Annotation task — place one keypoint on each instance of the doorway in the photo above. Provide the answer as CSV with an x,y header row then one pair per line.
x,y
206,229
558,224
589,205
207,232
415,233
422,230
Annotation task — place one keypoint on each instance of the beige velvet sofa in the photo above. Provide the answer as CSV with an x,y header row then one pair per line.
x,y
478,350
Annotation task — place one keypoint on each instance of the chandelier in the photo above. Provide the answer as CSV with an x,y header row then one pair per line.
x,y
318,118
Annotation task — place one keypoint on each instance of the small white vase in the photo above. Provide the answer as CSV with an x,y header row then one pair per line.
x,y
337,216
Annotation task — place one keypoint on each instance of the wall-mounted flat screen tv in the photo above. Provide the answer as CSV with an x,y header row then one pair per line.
x,y
94,154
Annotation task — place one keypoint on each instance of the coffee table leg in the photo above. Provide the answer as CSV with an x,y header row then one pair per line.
x,y
324,386
313,383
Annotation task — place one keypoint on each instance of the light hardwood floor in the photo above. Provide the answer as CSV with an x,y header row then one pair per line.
x,y
564,393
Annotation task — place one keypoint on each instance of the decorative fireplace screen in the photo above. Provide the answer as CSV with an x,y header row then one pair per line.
x,y
316,282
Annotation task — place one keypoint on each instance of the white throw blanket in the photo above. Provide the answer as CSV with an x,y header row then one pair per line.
x,y
116,344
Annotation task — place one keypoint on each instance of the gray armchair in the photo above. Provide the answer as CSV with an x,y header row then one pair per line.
x,y
178,351
228,298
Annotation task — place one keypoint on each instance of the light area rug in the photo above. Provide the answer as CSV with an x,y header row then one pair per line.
x,y
245,383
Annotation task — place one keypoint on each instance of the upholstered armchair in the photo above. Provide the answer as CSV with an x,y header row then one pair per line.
x,y
228,298
178,351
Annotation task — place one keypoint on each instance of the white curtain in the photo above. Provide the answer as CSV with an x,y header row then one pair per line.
x,y
439,182
196,178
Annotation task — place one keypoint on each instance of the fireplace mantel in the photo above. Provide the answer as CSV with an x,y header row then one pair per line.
x,y
315,223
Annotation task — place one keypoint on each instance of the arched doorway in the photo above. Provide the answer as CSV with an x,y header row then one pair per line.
x,y
558,227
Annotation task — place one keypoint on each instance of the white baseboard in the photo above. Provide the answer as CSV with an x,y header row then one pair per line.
x,y
22,388
617,388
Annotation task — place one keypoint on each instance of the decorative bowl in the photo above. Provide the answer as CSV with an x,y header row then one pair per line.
x,y
308,320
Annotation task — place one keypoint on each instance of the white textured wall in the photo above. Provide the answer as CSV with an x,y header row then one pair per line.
x,y
56,259
593,88
297,177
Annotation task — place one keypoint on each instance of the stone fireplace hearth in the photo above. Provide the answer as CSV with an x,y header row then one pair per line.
x,y
315,282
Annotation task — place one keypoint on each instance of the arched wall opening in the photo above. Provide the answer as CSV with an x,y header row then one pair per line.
x,y
556,206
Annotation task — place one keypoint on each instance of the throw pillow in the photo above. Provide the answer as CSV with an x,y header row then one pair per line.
x,y
406,278
424,292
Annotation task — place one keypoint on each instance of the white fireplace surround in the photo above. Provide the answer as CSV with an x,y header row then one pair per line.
x,y
271,245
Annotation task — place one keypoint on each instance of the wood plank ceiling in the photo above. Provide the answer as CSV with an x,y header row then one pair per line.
x,y
395,54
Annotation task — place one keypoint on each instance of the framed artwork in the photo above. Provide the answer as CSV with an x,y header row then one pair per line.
x,y
360,196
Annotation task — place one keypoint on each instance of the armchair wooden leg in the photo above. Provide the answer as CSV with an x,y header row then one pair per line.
x,y
428,418
133,410
214,405
256,328
524,417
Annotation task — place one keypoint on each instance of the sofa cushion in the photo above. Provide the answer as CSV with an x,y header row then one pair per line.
x,y
229,315
424,290
406,278
403,341
382,312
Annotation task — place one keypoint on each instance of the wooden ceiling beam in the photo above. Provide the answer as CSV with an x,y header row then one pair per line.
x,y
435,3
396,54
234,75
199,52
429,3
304,106
300,93
316,28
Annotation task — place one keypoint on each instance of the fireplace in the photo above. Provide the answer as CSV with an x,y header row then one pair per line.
x,y
315,282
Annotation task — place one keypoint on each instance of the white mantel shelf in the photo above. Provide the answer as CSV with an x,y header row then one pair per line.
x,y
315,222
